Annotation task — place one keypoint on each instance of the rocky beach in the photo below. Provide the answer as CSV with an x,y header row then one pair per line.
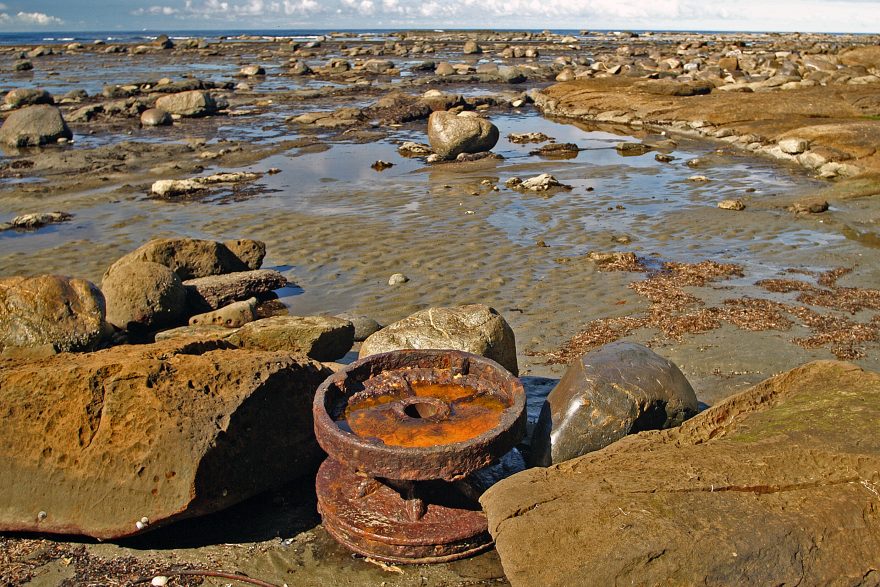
x,y
676,233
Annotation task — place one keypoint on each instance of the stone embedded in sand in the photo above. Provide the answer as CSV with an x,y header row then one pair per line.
x,y
625,148
164,431
215,291
810,205
142,295
57,313
474,328
190,257
234,315
794,145
741,494
155,117
323,338
411,149
252,70
378,65
450,134
444,68
397,279
192,103
34,126
38,219
27,97
618,389
538,183
735,205
23,65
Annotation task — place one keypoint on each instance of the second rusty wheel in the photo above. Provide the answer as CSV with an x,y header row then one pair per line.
x,y
372,518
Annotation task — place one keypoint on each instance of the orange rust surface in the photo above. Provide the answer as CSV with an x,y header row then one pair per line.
x,y
470,415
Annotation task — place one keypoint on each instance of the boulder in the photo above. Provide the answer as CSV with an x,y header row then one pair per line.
x,y
444,68
121,441
142,295
378,65
27,97
56,313
155,117
190,257
777,485
450,134
234,315
215,291
252,70
33,126
192,103
474,328
323,338
471,48
621,388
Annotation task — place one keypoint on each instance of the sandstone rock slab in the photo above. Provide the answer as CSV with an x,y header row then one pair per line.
x,y
94,444
323,338
474,328
215,291
776,485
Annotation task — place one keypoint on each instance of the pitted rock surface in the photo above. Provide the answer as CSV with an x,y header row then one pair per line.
x,y
164,431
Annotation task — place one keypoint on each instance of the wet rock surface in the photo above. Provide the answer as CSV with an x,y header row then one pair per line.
x,y
622,388
124,428
450,135
735,495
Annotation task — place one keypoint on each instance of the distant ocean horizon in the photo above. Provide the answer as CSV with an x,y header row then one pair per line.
x,y
37,37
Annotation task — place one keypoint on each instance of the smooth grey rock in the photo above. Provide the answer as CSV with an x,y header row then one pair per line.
x,y
155,117
619,389
33,126
450,134
474,328
364,326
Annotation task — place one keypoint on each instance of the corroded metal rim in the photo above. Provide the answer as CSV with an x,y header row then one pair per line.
x,y
376,525
449,461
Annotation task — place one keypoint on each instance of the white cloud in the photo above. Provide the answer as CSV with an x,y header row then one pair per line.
x,y
805,15
28,18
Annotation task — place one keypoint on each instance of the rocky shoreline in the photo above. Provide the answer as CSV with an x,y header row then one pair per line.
x,y
206,301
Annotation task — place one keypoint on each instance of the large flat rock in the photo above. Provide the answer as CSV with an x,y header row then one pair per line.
x,y
92,443
778,485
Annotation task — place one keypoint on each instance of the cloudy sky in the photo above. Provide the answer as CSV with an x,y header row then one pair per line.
x,y
755,15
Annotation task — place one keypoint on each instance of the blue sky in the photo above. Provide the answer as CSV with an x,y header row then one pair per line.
x,y
763,15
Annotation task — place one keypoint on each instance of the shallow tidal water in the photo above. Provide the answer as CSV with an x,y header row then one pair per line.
x,y
338,229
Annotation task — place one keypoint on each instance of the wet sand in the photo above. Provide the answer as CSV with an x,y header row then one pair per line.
x,y
338,229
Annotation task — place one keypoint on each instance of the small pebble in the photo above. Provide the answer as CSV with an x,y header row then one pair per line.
x,y
159,581
42,516
140,525
397,279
